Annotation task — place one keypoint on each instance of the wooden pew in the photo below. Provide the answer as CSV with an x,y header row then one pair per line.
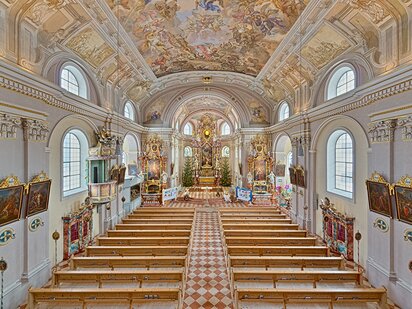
x,y
136,250
110,276
159,216
314,277
84,297
249,209
260,226
251,213
157,221
321,296
273,241
146,262
164,210
144,241
153,226
278,250
265,233
148,233
254,221
301,262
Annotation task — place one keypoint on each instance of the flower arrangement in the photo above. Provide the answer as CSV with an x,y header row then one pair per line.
x,y
285,194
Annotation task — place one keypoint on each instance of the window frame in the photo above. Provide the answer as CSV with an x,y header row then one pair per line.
x,y
189,125
224,132
80,76
83,152
228,153
129,106
335,76
331,164
281,113
191,152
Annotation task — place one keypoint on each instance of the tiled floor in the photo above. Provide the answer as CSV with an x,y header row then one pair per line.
x,y
207,283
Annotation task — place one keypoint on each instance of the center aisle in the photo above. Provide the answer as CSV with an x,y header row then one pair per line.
x,y
207,284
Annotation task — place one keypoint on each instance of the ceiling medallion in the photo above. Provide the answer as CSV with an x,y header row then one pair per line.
x,y
381,225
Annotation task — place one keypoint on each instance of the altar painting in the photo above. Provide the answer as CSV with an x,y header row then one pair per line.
x,y
207,155
153,172
260,170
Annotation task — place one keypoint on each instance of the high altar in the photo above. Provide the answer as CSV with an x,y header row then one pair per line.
x,y
207,152
153,163
260,165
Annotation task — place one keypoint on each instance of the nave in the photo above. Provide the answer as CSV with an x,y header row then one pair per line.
x,y
207,257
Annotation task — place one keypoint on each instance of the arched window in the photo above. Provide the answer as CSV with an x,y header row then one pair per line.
x,y
75,147
284,111
72,80
225,129
128,111
188,152
225,151
188,129
340,164
341,82
289,160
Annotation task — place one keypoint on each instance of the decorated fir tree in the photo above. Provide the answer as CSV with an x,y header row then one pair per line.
x,y
226,180
187,178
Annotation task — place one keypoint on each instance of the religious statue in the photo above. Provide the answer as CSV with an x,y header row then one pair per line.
x,y
271,178
249,178
196,162
164,177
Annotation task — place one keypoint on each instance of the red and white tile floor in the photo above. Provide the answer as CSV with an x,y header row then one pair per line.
x,y
207,284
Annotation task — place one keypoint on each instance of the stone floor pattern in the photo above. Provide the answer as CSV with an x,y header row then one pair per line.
x,y
207,283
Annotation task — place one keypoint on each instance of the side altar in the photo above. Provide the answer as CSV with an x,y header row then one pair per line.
x,y
153,162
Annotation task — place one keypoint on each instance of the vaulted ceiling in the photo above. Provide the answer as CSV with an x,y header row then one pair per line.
x,y
192,35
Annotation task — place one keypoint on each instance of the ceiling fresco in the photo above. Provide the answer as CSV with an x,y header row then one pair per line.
x,y
224,35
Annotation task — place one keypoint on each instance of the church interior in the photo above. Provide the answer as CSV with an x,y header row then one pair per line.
x,y
242,154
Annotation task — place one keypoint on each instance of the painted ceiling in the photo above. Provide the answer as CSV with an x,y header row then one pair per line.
x,y
220,35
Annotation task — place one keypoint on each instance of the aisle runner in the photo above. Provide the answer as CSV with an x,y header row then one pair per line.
x,y
207,282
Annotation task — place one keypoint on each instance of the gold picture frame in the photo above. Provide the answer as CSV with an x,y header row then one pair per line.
x,y
403,199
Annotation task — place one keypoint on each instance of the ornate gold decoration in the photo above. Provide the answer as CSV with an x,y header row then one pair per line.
x,y
40,177
10,181
376,177
55,235
3,265
405,181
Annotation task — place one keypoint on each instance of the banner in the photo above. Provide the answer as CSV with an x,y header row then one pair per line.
x,y
244,194
170,194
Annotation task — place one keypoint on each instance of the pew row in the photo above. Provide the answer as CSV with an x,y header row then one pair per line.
x,y
254,221
148,233
118,297
160,215
109,276
301,262
278,251
265,233
146,241
273,241
144,262
313,296
157,221
314,277
122,226
256,226
248,209
164,210
136,250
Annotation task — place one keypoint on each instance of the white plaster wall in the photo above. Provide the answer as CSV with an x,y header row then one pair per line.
x,y
358,206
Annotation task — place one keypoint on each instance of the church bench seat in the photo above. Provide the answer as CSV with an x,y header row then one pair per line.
x,y
314,276
159,216
265,233
312,296
254,221
157,221
110,276
83,297
275,241
301,262
249,209
164,210
136,241
278,250
112,262
153,226
250,213
148,233
136,250
260,226
251,216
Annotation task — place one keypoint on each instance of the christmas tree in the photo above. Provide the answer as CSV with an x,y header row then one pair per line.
x,y
187,178
226,180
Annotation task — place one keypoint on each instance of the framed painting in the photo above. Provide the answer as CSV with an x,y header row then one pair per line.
x,y
38,197
379,197
122,175
292,173
153,169
403,198
300,177
280,170
132,169
260,170
11,198
114,173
